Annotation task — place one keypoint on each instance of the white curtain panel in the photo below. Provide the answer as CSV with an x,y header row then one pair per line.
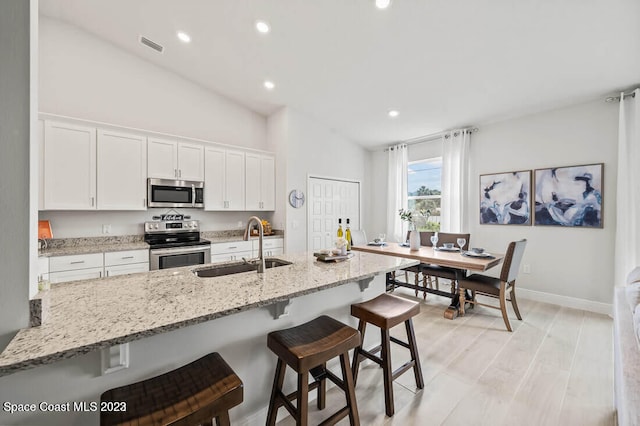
x,y
397,191
455,181
627,251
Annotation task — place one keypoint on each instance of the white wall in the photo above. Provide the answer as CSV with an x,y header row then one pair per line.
x,y
84,77
305,147
576,263
15,124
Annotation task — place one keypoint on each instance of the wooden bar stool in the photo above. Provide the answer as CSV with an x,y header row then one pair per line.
x,y
306,349
190,395
385,312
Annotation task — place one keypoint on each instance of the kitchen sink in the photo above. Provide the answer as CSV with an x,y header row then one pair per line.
x,y
236,268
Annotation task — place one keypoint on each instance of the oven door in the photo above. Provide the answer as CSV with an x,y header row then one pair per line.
x,y
176,257
175,193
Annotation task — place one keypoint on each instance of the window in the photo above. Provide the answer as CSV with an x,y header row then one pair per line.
x,y
425,190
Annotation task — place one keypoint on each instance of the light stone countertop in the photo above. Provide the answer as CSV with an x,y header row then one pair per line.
x,y
95,248
93,314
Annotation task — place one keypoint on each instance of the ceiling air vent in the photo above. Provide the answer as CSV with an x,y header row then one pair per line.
x,y
152,44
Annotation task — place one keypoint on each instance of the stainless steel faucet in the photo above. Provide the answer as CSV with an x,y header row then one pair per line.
x,y
261,266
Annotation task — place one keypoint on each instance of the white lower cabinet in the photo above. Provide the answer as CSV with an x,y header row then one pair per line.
x,y
234,250
126,262
95,265
271,247
75,267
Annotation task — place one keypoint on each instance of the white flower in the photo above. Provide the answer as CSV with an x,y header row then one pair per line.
x,y
341,242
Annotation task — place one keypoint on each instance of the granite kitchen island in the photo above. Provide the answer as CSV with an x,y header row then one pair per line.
x,y
171,317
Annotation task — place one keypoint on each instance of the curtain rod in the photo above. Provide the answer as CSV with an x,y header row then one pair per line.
x,y
434,136
624,95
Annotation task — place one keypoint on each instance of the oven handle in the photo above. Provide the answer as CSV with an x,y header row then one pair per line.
x,y
191,249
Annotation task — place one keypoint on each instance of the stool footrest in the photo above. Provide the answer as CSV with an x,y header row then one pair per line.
x,y
402,369
371,356
336,417
399,342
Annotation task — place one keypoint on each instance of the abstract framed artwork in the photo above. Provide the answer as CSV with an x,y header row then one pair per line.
x,y
569,196
505,198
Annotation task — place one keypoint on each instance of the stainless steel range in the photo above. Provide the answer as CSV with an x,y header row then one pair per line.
x,y
175,243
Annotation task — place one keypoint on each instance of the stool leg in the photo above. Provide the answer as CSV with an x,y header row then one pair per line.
x,y
303,399
350,393
362,325
222,419
413,348
387,372
278,381
322,390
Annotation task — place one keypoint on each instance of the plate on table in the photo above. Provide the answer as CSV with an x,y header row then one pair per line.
x,y
404,244
379,244
483,254
447,249
332,257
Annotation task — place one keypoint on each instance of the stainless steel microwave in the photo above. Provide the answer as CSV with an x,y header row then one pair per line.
x,y
175,193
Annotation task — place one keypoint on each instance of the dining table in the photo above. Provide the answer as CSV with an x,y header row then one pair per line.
x,y
461,261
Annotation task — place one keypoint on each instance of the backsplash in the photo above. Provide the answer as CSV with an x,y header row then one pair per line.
x,y
81,224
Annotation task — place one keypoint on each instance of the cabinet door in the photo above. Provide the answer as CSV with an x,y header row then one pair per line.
x,y
112,271
122,171
267,183
80,274
214,179
234,180
162,158
69,167
253,185
126,257
190,161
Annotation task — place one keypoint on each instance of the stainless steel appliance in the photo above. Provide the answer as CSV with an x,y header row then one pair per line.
x,y
176,243
175,193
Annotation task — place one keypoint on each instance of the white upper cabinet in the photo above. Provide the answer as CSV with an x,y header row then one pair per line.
x,y
224,179
122,171
190,161
260,182
170,159
69,166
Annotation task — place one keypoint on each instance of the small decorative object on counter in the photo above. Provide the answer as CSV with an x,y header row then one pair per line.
x,y
348,236
414,219
340,234
341,243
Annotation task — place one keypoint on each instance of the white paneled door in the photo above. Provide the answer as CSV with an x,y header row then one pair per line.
x,y
329,200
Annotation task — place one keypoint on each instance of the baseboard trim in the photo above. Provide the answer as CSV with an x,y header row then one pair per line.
x,y
569,302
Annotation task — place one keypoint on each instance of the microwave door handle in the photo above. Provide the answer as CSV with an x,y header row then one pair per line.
x,y
193,195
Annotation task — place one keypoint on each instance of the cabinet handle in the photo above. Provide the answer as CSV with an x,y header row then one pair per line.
x,y
77,262
179,173
106,273
233,247
127,257
93,201
175,172
100,274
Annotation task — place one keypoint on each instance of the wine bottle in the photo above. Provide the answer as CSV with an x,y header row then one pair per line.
x,y
340,233
348,236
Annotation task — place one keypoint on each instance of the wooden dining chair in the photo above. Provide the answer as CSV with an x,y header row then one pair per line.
x,y
432,273
496,287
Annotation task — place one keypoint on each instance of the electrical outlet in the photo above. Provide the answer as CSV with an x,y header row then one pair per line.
x,y
106,229
526,268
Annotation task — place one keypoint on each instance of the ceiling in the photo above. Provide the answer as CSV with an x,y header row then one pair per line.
x,y
442,64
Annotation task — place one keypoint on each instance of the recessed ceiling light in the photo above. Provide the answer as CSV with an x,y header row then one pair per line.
x,y
184,37
393,113
262,27
269,85
383,4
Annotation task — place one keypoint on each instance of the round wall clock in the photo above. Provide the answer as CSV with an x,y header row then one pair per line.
x,y
296,198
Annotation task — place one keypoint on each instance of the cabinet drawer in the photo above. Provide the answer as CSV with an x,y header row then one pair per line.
x,y
126,257
231,247
228,257
269,243
112,271
80,274
70,263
